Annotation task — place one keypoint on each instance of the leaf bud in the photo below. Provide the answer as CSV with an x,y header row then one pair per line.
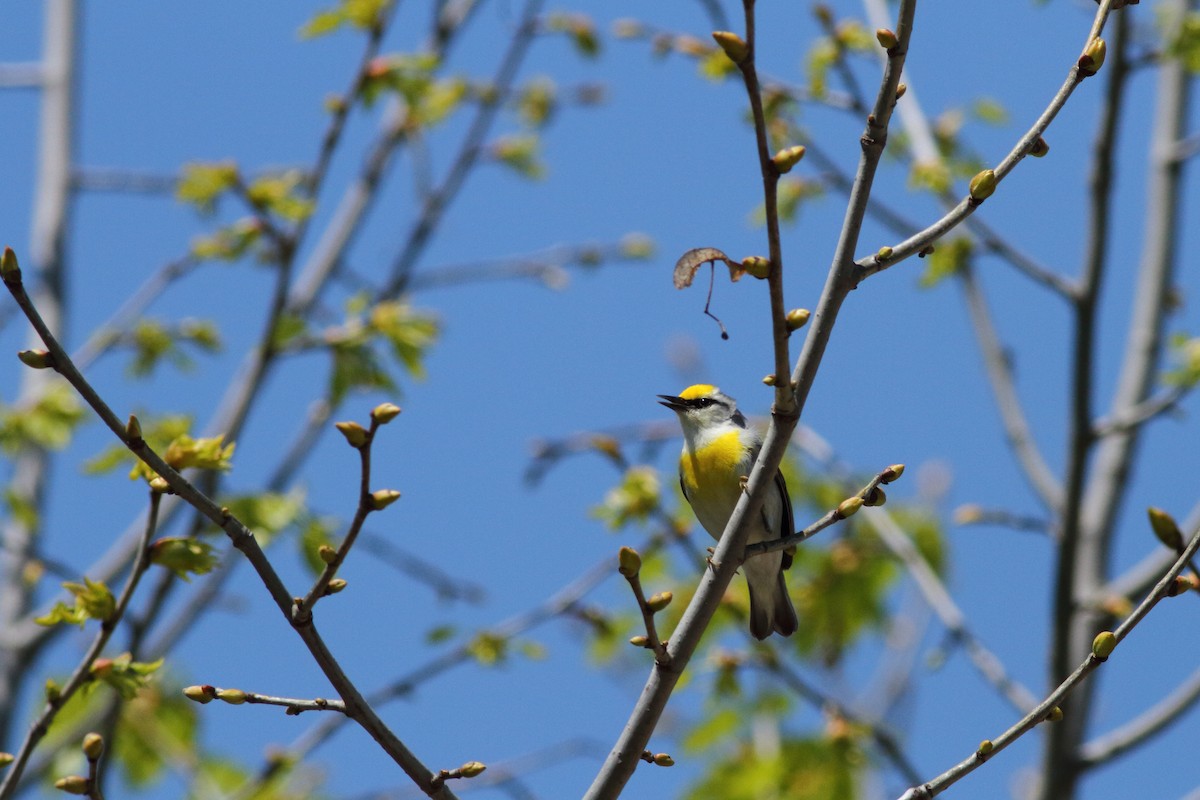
x,y
734,46
1055,715
1165,528
797,318
382,498
787,158
886,38
659,601
629,562
608,445
901,88
9,269
758,266
133,429
892,473
235,697
1039,148
355,434
639,641
202,694
335,585
883,254
985,748
37,359
159,484
769,380
664,760
982,185
327,554
1103,645
471,769
385,413
93,746
72,784
876,497
6,759
849,507
1093,57
1179,586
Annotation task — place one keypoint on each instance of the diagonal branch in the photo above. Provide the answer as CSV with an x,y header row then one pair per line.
x,y
622,761
1100,653
1012,414
356,707
1142,728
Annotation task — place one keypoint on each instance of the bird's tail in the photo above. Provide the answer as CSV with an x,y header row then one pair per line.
x,y
771,609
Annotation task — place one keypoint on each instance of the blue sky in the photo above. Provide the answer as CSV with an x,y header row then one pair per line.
x,y
668,155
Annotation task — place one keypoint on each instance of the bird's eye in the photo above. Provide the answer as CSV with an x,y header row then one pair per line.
x,y
704,402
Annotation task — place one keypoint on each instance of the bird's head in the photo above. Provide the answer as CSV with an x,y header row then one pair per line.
x,y
703,407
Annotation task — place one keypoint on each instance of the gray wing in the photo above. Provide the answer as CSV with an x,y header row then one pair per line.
x,y
788,523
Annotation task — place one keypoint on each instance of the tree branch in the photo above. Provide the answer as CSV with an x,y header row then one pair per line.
x,y
1052,701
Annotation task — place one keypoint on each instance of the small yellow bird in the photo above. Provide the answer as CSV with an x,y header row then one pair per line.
x,y
718,451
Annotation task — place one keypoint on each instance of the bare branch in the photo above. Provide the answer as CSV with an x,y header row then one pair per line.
x,y
1142,728
1052,701
1012,413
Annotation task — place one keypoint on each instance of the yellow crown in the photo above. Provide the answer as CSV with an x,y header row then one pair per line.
x,y
699,390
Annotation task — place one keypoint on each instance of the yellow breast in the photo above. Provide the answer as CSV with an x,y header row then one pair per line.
x,y
713,465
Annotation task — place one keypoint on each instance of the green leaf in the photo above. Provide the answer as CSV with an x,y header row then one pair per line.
x,y
124,674
282,194
202,184
184,556
409,332
49,423
93,600
62,613
356,367
488,648
520,153
715,728
322,23
204,453
579,28
267,514
716,66
1185,355
537,102
158,433
824,768
440,633
156,729
288,328
948,258
1185,44
635,499
229,243
362,14
314,533
989,110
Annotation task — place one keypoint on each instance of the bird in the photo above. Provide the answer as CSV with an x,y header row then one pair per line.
x,y
719,449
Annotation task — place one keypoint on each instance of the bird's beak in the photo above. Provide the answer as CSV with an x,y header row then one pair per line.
x,y
672,402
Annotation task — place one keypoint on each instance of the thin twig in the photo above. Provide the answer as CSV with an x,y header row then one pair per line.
x,y
623,759
1142,728
472,145
870,265
999,370
1040,713
243,540
83,670
884,739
